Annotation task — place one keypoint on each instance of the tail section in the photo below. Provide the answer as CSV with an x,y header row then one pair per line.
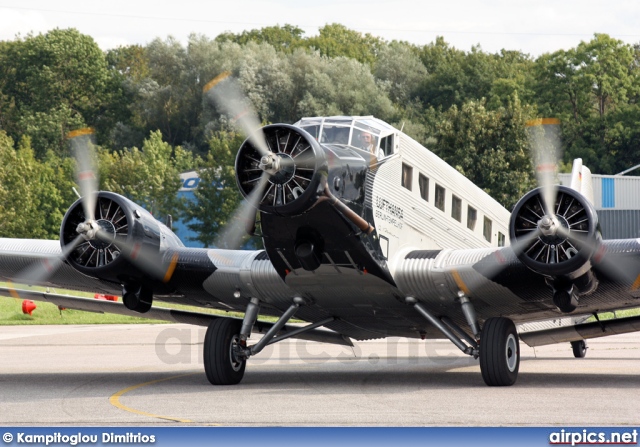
x,y
581,180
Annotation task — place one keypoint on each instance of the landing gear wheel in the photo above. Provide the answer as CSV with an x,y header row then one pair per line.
x,y
499,352
579,348
139,300
222,365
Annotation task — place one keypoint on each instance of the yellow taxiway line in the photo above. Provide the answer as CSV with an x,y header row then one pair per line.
x,y
115,399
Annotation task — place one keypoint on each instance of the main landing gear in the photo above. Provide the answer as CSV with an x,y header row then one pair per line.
x,y
498,347
223,362
579,348
225,343
499,352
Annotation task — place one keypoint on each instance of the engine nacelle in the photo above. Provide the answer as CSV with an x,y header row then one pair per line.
x,y
124,221
295,170
565,254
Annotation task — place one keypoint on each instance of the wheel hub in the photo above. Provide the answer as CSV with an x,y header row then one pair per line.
x,y
511,351
236,354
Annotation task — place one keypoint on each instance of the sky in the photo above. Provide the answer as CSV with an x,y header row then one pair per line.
x,y
533,27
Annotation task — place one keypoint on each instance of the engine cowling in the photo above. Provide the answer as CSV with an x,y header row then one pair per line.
x,y
296,170
565,254
125,222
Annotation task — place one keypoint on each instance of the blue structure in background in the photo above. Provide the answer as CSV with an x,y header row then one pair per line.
x,y
608,193
190,181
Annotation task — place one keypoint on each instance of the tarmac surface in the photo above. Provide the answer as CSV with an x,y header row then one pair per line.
x,y
153,375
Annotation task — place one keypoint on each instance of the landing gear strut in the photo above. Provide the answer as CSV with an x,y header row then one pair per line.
x,y
225,343
499,350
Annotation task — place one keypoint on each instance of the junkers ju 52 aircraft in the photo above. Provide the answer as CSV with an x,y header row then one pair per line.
x,y
367,234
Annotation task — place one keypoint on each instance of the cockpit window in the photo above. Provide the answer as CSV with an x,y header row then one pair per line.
x,y
335,134
386,145
339,120
364,139
313,130
365,133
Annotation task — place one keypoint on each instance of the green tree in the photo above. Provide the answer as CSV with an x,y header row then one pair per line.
x,y
34,195
217,196
335,40
149,177
58,76
403,83
456,76
594,90
490,148
283,38
129,61
340,86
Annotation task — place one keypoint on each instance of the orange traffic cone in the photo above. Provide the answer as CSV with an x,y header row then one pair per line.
x,y
28,307
103,297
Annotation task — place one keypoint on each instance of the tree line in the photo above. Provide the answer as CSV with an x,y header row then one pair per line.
x,y
152,121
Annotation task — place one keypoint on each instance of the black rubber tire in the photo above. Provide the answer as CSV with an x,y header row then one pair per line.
x,y
499,352
138,302
579,349
219,365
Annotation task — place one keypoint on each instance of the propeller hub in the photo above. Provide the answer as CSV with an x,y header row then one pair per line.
x,y
548,226
87,229
270,163
106,236
280,167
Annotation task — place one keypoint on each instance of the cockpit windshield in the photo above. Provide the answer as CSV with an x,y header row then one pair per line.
x,y
365,133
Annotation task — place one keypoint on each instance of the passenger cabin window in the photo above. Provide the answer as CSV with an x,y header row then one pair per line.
x,y
407,176
386,146
440,193
472,217
423,183
487,229
456,208
501,239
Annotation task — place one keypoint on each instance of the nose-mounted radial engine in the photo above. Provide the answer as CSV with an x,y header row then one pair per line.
x,y
565,238
290,177
298,185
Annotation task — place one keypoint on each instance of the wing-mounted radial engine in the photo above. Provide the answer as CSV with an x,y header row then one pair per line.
x,y
559,242
120,243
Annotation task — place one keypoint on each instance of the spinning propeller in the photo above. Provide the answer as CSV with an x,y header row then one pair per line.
x,y
554,229
567,238
274,167
98,231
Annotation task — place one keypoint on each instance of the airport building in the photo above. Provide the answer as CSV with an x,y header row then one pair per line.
x,y
617,201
